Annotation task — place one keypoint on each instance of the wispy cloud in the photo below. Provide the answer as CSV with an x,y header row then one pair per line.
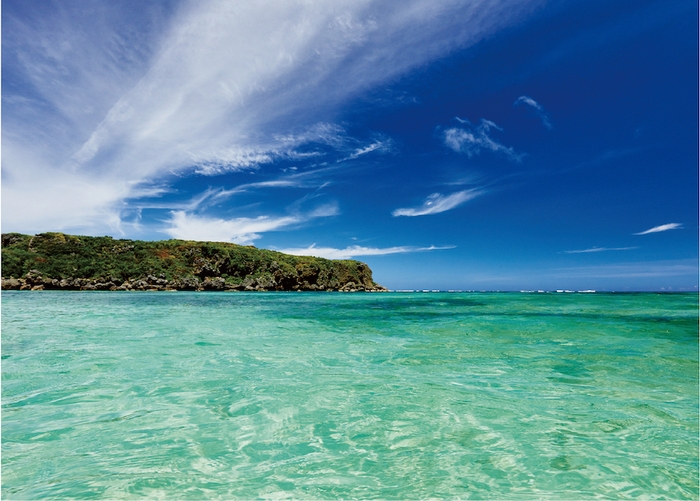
x,y
356,251
242,230
472,139
314,178
539,110
127,97
642,275
382,146
599,249
287,147
437,203
214,196
663,227
668,268
196,202
234,159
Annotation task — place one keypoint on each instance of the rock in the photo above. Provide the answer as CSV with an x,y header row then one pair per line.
x,y
214,284
140,285
348,287
266,283
188,284
10,238
33,277
11,284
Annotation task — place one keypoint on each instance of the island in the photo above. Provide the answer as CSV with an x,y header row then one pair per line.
x,y
58,261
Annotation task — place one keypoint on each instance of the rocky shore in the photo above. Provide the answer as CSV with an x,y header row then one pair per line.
x,y
34,280
55,261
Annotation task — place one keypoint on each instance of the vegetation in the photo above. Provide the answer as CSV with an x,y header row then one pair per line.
x,y
59,261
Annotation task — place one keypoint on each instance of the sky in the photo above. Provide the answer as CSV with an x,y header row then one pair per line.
x,y
453,145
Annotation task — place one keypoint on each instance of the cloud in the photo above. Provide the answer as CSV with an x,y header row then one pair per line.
x,y
663,227
383,146
437,203
539,110
599,249
307,179
471,140
635,270
213,196
242,230
111,95
234,159
356,251
644,275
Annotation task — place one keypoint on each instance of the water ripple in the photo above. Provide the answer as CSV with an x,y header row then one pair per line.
x,y
392,396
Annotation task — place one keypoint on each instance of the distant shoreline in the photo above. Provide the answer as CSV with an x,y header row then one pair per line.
x,y
5,288
56,261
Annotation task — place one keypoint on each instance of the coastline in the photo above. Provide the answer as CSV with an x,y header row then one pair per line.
x,y
56,261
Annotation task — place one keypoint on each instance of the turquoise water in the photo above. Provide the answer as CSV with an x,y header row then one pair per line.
x,y
320,396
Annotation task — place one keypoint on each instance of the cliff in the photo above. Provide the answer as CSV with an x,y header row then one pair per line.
x,y
67,262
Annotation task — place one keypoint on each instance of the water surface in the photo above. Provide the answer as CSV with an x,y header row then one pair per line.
x,y
320,396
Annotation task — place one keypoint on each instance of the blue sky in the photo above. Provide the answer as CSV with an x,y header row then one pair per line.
x,y
486,145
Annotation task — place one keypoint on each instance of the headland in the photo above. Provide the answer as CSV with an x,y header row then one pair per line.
x,y
67,262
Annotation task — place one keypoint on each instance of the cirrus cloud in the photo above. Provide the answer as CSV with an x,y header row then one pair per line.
x,y
663,227
539,110
437,203
109,91
356,251
599,249
242,230
472,139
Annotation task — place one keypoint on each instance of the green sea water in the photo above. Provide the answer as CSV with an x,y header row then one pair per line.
x,y
369,396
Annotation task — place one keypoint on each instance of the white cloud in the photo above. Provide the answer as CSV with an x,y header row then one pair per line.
x,y
242,230
437,203
215,196
356,251
112,98
599,249
382,146
232,159
527,100
539,110
663,227
285,146
38,198
471,140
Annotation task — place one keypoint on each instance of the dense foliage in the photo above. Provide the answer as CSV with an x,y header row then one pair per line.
x,y
172,264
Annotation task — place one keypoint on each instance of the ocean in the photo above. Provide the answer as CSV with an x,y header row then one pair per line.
x,y
116,395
